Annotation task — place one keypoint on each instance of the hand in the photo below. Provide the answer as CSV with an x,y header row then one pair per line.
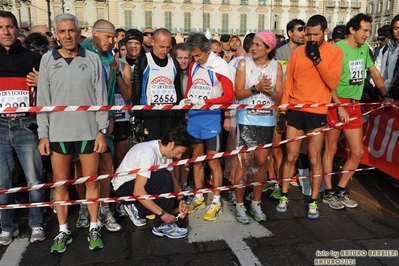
x,y
343,115
100,144
227,123
32,78
185,102
265,85
168,218
44,147
197,101
387,102
312,51
183,209
281,121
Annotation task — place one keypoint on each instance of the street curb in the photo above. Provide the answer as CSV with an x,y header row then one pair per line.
x,y
378,200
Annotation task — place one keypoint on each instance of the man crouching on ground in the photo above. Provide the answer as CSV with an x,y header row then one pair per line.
x,y
143,156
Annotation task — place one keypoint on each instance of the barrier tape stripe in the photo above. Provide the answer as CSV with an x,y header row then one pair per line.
x,y
164,195
176,163
61,108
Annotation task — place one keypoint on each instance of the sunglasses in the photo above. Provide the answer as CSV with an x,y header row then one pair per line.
x,y
382,39
148,33
300,29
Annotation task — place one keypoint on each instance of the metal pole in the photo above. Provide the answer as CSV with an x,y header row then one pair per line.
x,y
63,6
49,14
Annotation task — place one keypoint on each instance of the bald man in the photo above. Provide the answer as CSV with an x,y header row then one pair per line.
x,y
102,43
45,31
158,82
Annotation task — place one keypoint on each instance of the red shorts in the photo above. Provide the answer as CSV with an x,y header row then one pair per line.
x,y
353,111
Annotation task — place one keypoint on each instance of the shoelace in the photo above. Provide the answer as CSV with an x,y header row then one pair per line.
x,y
60,237
242,211
94,234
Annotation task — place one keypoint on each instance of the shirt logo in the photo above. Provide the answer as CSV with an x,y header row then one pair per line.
x,y
57,65
83,66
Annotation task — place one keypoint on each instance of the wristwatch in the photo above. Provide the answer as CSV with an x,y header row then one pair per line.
x,y
253,90
386,95
103,131
161,213
119,74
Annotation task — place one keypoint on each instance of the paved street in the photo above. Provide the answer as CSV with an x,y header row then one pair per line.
x,y
285,239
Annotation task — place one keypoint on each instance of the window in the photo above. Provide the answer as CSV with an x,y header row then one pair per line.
x,y
243,22
100,13
79,13
187,20
207,21
225,21
168,20
57,10
128,18
148,18
206,2
261,22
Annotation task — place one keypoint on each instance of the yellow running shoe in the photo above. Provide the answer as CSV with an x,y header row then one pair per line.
x,y
196,204
150,216
213,212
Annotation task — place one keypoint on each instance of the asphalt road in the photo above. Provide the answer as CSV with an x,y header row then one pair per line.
x,y
339,237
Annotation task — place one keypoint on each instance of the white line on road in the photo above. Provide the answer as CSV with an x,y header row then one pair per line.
x,y
14,252
226,228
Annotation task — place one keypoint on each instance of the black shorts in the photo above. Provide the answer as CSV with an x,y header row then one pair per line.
x,y
121,131
305,121
70,147
212,144
251,136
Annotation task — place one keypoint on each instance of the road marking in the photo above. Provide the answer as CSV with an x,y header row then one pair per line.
x,y
226,228
14,252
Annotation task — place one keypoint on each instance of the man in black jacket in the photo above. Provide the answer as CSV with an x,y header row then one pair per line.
x,y
18,69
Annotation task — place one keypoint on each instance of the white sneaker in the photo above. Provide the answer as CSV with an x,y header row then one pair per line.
x,y
38,235
107,219
170,230
6,237
83,218
134,215
257,212
241,214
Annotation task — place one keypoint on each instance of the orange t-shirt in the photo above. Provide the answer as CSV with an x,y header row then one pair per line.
x,y
307,83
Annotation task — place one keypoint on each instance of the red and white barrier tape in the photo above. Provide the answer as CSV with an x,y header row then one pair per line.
x,y
172,164
85,108
164,195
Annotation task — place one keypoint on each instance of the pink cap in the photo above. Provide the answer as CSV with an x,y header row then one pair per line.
x,y
269,38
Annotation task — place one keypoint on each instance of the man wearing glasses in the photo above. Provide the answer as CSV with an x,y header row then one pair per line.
x,y
383,39
296,35
45,31
148,40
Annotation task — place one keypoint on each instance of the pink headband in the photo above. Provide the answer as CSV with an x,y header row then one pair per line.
x,y
269,38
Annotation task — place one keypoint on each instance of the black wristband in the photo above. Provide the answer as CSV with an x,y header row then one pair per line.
x,y
162,213
386,95
119,74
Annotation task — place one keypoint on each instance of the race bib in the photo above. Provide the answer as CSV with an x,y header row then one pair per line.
x,y
356,69
120,115
163,94
200,91
260,98
14,98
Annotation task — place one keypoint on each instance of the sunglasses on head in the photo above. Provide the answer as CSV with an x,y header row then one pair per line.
x,y
148,33
382,39
300,29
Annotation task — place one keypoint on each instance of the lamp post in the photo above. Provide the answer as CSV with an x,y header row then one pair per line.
x,y
49,14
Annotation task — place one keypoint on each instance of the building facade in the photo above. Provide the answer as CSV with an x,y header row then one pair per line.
x,y
382,12
184,16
